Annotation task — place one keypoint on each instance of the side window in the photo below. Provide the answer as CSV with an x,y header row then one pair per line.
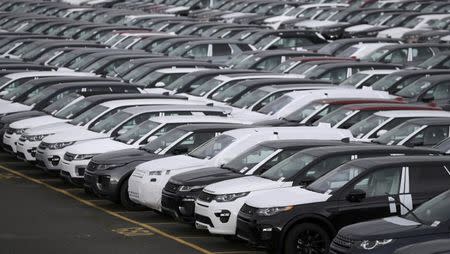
x,y
406,82
381,182
356,118
274,161
193,141
133,122
335,75
268,100
421,54
221,50
198,51
244,47
442,91
398,56
326,165
446,64
430,136
116,89
428,178
268,63
393,123
161,131
177,113
371,80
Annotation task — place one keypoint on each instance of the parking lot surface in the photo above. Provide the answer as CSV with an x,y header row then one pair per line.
x,y
43,214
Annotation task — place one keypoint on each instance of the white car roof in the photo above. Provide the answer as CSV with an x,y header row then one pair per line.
x,y
126,102
46,73
257,75
180,70
181,107
413,113
192,119
237,133
373,72
333,92
323,5
361,46
430,16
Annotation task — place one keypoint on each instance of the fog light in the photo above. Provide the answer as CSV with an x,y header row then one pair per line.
x,y
55,160
224,216
32,151
80,171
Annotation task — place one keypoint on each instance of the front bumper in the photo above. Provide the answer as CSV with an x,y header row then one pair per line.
x,y
10,142
249,229
75,169
49,160
146,190
218,217
180,205
26,150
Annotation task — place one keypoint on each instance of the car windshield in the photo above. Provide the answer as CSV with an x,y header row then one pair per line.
x,y
249,159
284,66
229,93
181,82
110,122
137,132
306,111
95,65
276,105
212,147
88,115
397,134
180,50
335,117
18,91
413,23
250,98
414,89
149,79
363,127
376,55
262,43
61,103
354,79
434,211
62,59
247,63
289,167
73,109
137,73
386,82
81,61
238,59
206,87
303,68
432,61
162,142
335,179
44,94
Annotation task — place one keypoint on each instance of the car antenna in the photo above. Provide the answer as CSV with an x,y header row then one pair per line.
x,y
406,207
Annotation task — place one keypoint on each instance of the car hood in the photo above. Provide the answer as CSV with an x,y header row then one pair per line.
x,y
277,19
204,176
316,23
14,107
97,146
237,15
244,184
387,228
20,116
276,122
36,121
171,163
285,197
79,135
396,32
52,128
125,156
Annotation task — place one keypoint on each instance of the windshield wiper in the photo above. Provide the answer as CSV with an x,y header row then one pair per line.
x,y
289,120
397,201
229,168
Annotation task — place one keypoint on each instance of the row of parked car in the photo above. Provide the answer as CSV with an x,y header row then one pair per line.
x,y
278,123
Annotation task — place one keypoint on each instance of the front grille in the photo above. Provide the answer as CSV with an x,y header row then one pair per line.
x,y
22,138
171,187
343,242
249,210
206,197
92,166
69,156
43,145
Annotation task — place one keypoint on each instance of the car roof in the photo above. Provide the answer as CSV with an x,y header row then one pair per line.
x,y
378,71
124,96
356,100
421,72
437,78
188,119
211,126
226,77
376,162
386,106
271,81
430,121
324,151
413,113
356,63
407,45
180,107
179,70
280,144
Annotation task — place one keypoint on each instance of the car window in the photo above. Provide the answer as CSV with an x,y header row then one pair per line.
x,y
133,122
198,51
370,81
380,182
434,179
421,53
398,56
325,165
268,63
430,136
441,91
221,50
194,141
336,75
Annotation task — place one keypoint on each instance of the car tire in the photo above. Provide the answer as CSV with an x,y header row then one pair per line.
x,y
126,201
299,239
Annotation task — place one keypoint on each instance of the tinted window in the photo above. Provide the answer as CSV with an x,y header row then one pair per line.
x,y
221,50
429,178
380,182
421,54
430,136
398,56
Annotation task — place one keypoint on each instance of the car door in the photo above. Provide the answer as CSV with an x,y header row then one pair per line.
x,y
377,203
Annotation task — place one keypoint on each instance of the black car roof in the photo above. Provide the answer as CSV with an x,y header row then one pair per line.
x,y
77,84
318,152
386,161
407,45
65,79
264,53
280,144
436,78
207,40
272,81
420,72
352,63
123,96
430,121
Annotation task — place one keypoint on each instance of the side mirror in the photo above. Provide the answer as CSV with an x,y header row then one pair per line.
x,y
307,181
151,138
180,150
356,195
427,98
160,84
381,132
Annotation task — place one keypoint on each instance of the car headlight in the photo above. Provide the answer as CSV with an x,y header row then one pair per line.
x,y
19,131
185,188
81,157
372,244
36,137
271,211
60,145
230,197
108,166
